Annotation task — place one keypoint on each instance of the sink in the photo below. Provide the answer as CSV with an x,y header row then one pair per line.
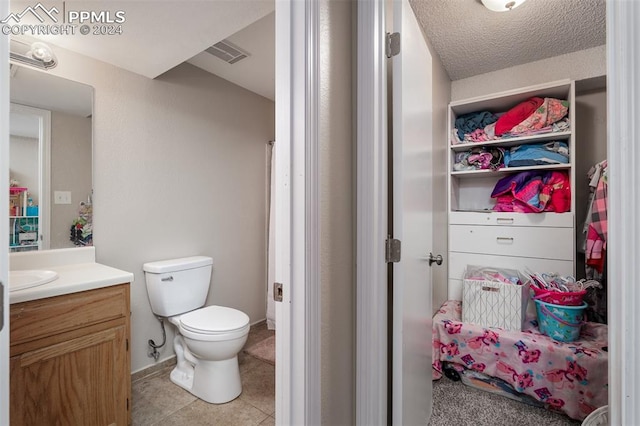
x,y
20,280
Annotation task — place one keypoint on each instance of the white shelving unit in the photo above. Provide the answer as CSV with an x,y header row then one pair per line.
x,y
24,230
480,236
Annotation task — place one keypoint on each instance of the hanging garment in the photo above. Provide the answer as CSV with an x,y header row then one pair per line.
x,y
594,177
596,242
593,243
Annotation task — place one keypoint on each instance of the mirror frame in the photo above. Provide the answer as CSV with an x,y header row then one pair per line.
x,y
44,167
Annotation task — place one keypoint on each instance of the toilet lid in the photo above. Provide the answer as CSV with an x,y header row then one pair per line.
x,y
214,320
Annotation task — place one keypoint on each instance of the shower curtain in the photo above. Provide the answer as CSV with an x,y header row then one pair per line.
x,y
271,304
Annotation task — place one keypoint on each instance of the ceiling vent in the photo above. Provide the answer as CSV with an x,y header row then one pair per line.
x,y
227,52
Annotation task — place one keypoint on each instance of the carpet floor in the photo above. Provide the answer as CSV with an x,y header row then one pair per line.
x,y
455,403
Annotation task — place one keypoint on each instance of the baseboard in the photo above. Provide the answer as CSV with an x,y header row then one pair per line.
x,y
153,369
171,361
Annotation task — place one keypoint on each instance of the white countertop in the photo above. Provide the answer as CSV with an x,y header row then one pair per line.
x,y
72,277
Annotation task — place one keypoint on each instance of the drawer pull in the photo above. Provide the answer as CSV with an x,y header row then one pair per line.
x,y
505,239
504,220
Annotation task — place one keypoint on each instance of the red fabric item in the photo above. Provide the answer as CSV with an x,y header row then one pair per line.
x,y
560,192
517,115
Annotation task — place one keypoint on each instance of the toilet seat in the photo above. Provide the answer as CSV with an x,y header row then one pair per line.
x,y
213,323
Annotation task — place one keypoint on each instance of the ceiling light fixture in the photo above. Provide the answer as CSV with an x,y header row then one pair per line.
x,y
36,54
502,5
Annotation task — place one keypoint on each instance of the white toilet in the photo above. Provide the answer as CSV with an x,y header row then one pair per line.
x,y
208,339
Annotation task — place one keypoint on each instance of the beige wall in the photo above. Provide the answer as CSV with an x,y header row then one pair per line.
x,y
580,65
441,96
23,163
337,215
179,169
591,148
70,171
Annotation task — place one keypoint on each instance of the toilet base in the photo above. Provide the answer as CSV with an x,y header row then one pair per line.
x,y
215,382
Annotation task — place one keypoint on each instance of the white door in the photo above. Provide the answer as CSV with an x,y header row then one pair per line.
x,y
412,221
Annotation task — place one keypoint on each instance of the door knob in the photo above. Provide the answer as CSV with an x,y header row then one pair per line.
x,y
437,259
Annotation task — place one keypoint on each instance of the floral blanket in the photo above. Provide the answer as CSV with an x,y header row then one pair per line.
x,y
568,377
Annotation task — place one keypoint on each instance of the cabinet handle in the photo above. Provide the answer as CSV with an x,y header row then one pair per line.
x,y
504,220
509,239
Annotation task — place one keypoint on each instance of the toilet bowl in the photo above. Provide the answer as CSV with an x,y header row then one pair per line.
x,y
208,339
206,348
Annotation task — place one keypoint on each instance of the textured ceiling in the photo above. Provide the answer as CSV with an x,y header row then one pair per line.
x,y
472,40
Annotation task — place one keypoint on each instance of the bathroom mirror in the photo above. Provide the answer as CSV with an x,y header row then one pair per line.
x,y
50,161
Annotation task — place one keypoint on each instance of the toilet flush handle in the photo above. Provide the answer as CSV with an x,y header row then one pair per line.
x,y
169,278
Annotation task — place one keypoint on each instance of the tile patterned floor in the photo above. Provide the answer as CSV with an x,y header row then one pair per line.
x,y
157,401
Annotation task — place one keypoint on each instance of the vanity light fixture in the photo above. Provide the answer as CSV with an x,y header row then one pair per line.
x,y
502,5
36,54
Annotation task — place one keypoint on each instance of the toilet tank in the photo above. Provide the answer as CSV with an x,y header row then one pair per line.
x,y
177,286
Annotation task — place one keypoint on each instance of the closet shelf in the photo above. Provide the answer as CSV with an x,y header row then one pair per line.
x,y
507,170
16,190
522,140
479,232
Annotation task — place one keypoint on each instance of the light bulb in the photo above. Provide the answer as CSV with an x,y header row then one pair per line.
x,y
41,52
502,5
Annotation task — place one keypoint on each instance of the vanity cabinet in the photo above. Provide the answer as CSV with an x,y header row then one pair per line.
x,y
70,359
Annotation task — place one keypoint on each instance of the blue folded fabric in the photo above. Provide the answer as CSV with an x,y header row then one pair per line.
x,y
467,123
537,154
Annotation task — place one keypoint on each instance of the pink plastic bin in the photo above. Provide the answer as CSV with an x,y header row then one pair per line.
x,y
566,298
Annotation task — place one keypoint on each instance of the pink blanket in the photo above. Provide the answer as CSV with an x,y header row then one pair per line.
x,y
568,377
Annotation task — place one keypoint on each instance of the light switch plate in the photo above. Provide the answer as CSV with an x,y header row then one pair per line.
x,y
62,197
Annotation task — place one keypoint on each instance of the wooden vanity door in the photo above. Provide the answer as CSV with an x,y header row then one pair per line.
x,y
77,382
70,362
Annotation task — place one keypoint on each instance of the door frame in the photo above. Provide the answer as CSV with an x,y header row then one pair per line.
x,y
44,169
298,398
623,99
4,218
372,215
623,65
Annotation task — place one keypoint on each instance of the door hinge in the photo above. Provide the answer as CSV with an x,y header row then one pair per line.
x,y
277,292
392,44
126,344
392,250
127,404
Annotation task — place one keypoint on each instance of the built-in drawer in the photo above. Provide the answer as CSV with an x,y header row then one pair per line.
x,y
549,220
459,261
549,243
54,315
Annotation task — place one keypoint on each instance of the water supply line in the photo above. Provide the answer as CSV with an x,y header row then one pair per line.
x,y
153,348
